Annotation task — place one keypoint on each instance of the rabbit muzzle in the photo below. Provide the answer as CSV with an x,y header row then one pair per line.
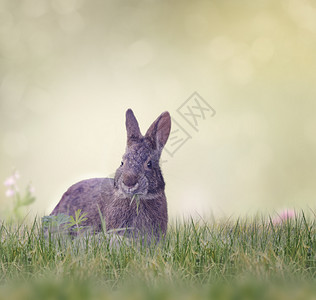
x,y
131,190
130,180
131,184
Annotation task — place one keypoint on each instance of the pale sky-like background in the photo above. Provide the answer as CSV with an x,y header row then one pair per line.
x,y
69,69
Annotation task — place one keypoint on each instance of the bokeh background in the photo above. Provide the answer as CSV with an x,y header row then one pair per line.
x,y
69,69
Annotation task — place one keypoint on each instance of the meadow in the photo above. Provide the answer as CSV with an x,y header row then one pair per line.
x,y
246,258
69,69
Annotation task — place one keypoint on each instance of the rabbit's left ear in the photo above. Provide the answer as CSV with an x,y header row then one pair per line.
x,y
159,131
132,128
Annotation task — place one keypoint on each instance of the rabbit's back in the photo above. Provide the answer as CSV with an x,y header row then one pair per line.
x,y
91,196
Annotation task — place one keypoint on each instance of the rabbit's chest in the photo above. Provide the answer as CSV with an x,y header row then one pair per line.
x,y
132,215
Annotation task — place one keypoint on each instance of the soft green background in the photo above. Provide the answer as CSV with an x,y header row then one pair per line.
x,y
70,68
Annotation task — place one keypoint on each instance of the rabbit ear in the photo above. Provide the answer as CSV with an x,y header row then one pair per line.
x,y
159,131
132,128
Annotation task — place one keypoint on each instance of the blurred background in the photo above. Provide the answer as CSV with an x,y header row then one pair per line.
x,y
69,69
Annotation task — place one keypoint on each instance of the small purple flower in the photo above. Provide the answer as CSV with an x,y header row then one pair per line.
x,y
284,216
10,193
31,190
287,214
10,181
16,174
11,184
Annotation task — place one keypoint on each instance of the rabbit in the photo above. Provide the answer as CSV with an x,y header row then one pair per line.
x,y
134,202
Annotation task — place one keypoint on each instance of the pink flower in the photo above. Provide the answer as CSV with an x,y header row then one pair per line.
x,y
10,181
287,214
31,190
16,174
284,215
10,193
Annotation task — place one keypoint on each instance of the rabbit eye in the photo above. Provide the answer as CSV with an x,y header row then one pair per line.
x,y
122,163
149,165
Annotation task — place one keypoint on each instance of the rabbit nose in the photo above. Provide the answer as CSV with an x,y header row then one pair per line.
x,y
129,180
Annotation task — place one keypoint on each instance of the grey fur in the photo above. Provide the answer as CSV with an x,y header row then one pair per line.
x,y
139,175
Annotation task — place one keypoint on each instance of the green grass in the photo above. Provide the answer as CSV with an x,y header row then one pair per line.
x,y
197,259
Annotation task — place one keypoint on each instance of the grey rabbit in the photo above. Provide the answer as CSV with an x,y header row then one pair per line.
x,y
135,199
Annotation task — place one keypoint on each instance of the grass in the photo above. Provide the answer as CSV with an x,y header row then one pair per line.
x,y
197,259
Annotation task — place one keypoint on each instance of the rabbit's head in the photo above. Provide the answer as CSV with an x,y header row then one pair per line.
x,y
139,172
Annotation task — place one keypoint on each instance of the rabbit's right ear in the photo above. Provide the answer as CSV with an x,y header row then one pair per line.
x,y
132,128
159,131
